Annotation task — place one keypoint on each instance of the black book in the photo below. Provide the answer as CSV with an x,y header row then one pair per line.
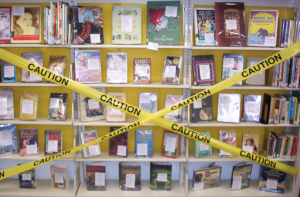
x,y
202,110
204,70
271,180
160,176
266,109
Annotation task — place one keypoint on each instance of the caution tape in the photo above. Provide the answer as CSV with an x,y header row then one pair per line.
x,y
154,118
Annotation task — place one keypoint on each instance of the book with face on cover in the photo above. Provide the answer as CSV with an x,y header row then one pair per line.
x,y
129,176
142,70
8,72
5,26
8,139
57,64
93,150
161,176
58,106
28,139
229,108
250,143
202,110
205,26
232,64
204,70
229,137
60,177
27,179
241,174
174,116
7,104
148,102
170,144
118,145
116,68
172,70
36,58
28,106
95,176
113,114
52,142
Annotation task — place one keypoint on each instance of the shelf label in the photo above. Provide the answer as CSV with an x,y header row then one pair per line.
x,y
170,144
54,103
142,149
93,104
204,71
31,149
18,11
6,138
153,46
95,38
130,180
163,177
203,147
9,71
145,98
100,178
126,23
170,71
26,177
231,25
272,184
171,11
58,178
198,186
94,150
122,150
53,146
237,182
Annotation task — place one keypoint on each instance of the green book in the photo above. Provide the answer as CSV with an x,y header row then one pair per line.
x,y
201,149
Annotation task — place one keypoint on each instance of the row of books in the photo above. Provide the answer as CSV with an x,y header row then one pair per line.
x,y
289,32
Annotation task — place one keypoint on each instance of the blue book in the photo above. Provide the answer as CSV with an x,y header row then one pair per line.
x,y
8,139
271,180
8,72
144,143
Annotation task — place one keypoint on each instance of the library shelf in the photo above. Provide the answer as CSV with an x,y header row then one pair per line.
x,y
215,123
246,87
39,121
237,48
136,85
24,84
41,155
34,45
143,46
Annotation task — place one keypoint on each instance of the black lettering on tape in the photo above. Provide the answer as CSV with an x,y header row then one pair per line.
x,y
173,107
130,109
256,67
104,138
58,80
36,163
65,81
278,57
2,174
267,162
37,70
102,98
271,60
273,164
254,157
43,74
242,153
115,104
251,71
30,65
137,112
173,127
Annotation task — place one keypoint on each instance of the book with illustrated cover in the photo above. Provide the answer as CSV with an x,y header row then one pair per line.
x,y
57,64
262,30
170,144
201,149
206,177
93,150
59,176
204,70
251,108
229,108
52,142
232,64
229,137
142,70
148,102
174,116
28,106
5,13
116,68
241,174
36,58
250,143
88,66
58,106
160,176
271,180
95,176
88,24
144,143
172,70
8,72
202,110
26,24
7,104
28,139
260,78
27,179
8,139
118,145
130,176
205,26
113,114
163,22
126,25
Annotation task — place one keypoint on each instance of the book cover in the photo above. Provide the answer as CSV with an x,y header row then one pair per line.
x,y
58,106
148,102
129,176
229,108
27,179
95,176
118,145
113,114
142,70
201,149
271,180
232,64
57,64
202,110
8,139
93,150
174,116
266,109
88,66
172,70
28,106
250,143
5,27
258,79
163,22
52,142
59,177
144,143
241,174
8,71
28,139
205,26
170,144
7,104
116,68
88,24
229,137
36,58
251,109
26,24
204,70
160,176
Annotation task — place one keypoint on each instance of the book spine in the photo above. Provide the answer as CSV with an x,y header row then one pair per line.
x,y
286,33
276,111
294,151
54,23
298,72
45,31
292,107
280,74
290,33
282,33
51,25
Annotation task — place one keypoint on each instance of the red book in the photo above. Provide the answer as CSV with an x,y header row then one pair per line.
x,y
52,142
118,145
295,146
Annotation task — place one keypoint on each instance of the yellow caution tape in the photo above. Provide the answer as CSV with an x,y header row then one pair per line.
x,y
154,118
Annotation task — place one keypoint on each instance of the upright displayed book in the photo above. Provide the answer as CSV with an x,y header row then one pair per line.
x,y
58,106
232,64
148,102
116,68
271,180
144,143
202,110
142,70
57,64
27,179
201,149
163,22
95,176
204,70
113,114
230,24
88,24
88,66
160,176
129,176
205,26
229,137
266,109
36,58
170,144
93,150
60,177
7,104
52,142
8,139
229,108
241,174
251,108
8,71
262,30
258,79
118,145
28,139
26,24
28,106
5,13
171,99
250,143
172,70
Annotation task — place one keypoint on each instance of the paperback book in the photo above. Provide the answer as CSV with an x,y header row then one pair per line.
x,y
118,145
7,104
142,70
28,106
8,139
174,116
201,149
52,142
271,180
229,108
113,114
8,71
251,108
27,179
172,70
116,70
144,143
241,175
160,176
59,177
28,139
58,106
170,144
258,79
93,150
95,176
232,64
57,64
148,102
229,137
204,70
5,13
130,176
205,26
36,58
202,110
250,143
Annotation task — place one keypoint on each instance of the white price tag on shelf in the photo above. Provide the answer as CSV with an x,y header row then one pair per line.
x,y
153,46
95,38
142,149
58,178
3,104
100,178
93,104
198,186
121,150
237,182
6,138
31,149
162,177
26,177
272,184
126,23
9,71
224,153
52,146
27,107
130,180
54,103
170,144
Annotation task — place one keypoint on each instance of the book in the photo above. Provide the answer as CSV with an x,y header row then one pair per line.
x,y
232,64
271,180
170,144
113,114
229,137
258,79
201,149
142,70
144,143
27,179
59,176
57,64
7,104
205,26
28,106
204,70
26,24
118,145
160,176
230,24
174,116
266,109
92,110
126,25
95,176
8,139
93,150
58,106
206,177
163,22
241,174
88,24
8,71
36,58
262,30
251,108
202,110
130,176
148,102
250,143
28,139
172,70
88,66
5,13
229,108
116,68
52,142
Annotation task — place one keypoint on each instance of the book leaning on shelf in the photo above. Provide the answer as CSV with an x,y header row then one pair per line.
x,y
232,64
271,180
142,70
27,179
28,139
93,150
174,116
116,68
170,144
28,106
258,79
229,108
160,176
204,70
57,64
8,139
251,108
59,176
250,142
7,104
5,13
148,102
52,142
172,70
144,143
202,110
36,58
229,137
95,176
241,175
8,72
58,106
118,145
129,176
113,114
201,149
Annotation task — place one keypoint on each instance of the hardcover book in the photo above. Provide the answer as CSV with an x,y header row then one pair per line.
x,y
88,24
172,70
232,64
204,70
118,145
201,149
58,106
241,174
250,143
59,177
142,70
144,143
52,142
251,109
116,70
170,144
266,109
229,137
113,114
161,176
27,179
8,139
129,176
95,176
205,26
8,71
36,58
93,150
7,104
57,64
5,27
88,66
174,116
271,180
163,22
28,139
258,79
126,25
148,102
202,110
229,108
28,106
